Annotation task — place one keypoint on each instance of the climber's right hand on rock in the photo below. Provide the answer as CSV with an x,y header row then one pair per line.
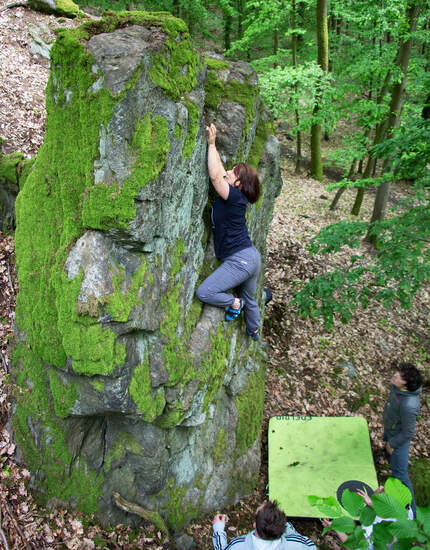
x,y
211,134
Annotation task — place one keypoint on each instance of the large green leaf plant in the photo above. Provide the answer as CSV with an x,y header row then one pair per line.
x,y
387,514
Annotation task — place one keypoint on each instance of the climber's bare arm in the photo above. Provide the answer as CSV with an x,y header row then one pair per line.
x,y
217,172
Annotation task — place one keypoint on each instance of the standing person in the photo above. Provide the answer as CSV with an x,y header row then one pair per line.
x,y
241,260
400,415
271,532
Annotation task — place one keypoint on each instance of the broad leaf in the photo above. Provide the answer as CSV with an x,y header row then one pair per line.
x,y
357,541
344,525
398,490
404,529
367,516
401,545
327,506
387,507
352,502
423,517
381,533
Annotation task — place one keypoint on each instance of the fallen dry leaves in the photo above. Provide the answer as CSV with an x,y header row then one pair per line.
x,y
308,366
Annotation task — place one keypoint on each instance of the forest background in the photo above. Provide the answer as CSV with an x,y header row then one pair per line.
x,y
348,84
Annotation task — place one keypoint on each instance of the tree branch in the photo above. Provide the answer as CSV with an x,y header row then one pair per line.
x,y
2,535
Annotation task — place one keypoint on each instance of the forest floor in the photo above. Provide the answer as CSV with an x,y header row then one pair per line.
x,y
309,366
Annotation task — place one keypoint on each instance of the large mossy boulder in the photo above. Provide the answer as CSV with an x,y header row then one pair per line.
x,y
127,384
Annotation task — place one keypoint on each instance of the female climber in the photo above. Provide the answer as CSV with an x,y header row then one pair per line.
x,y
240,259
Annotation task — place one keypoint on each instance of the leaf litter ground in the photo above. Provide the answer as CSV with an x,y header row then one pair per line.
x,y
311,371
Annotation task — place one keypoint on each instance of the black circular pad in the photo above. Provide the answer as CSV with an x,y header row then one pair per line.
x,y
352,485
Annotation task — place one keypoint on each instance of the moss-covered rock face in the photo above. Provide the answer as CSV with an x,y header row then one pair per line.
x,y
65,8
127,383
14,169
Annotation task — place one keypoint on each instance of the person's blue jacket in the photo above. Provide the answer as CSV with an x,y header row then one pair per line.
x,y
400,415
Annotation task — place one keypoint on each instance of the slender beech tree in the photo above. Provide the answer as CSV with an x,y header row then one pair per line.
x,y
392,119
294,56
322,41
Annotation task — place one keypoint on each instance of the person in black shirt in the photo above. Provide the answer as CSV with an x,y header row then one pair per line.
x,y
241,260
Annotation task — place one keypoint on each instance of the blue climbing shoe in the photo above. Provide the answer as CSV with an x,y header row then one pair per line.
x,y
255,335
231,313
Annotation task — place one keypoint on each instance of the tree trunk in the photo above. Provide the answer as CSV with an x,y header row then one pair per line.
x,y
240,8
227,29
296,114
393,118
426,110
341,190
322,41
379,132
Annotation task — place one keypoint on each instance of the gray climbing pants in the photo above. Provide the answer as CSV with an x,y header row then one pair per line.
x,y
239,271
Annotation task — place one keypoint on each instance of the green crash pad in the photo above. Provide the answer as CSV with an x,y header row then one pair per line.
x,y
314,456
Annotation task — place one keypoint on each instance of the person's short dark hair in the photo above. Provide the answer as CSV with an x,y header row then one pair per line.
x,y
270,521
249,182
411,375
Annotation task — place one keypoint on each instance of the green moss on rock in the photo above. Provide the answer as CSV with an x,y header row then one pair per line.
x,y
213,365
175,69
264,130
125,443
419,473
98,385
121,302
177,134
249,405
243,93
215,64
220,446
149,402
51,458
10,167
177,509
66,8
193,126
106,206
64,395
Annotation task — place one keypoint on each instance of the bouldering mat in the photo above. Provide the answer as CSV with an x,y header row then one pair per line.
x,y
314,456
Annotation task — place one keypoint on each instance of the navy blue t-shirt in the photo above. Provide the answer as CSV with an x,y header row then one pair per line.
x,y
229,224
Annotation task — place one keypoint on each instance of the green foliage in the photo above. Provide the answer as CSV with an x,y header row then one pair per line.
x,y
397,272
408,152
352,502
419,472
393,524
286,90
262,19
328,506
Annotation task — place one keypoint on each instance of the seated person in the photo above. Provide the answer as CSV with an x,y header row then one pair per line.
x,y
271,532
